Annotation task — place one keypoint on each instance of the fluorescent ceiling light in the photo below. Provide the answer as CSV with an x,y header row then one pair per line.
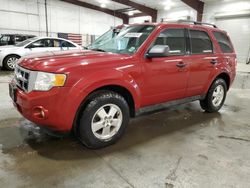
x,y
167,7
168,4
103,5
130,13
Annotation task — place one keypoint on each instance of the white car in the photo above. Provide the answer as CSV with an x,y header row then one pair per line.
x,y
10,54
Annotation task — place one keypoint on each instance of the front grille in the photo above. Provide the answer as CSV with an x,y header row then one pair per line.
x,y
22,77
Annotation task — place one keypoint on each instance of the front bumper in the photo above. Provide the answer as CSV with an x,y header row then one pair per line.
x,y
1,59
45,109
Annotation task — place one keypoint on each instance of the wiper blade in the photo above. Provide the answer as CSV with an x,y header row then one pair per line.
x,y
98,49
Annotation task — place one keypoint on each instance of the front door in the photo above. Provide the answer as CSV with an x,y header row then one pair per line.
x,y
165,78
38,46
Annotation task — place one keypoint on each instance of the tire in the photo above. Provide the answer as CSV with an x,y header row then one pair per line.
x,y
215,97
97,120
10,62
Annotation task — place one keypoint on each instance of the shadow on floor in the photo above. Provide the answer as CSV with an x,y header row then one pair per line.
x,y
186,118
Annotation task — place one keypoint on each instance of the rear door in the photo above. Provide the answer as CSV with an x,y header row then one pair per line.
x,y
202,61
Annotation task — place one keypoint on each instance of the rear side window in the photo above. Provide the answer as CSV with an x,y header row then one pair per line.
x,y
200,42
174,38
66,44
224,42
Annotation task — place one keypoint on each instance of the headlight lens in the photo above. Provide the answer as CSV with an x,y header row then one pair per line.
x,y
45,81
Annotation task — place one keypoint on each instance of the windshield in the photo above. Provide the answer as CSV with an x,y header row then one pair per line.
x,y
127,41
104,38
25,42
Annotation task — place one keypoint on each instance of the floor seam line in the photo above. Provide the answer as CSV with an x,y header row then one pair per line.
x,y
114,170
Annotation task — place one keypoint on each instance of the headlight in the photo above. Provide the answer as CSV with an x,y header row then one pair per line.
x,y
45,81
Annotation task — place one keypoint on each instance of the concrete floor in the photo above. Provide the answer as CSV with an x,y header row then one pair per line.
x,y
179,147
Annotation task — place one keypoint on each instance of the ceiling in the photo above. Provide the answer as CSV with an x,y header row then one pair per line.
x,y
126,9
109,4
160,4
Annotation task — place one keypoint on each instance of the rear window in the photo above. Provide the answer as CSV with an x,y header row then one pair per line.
x,y
200,42
224,42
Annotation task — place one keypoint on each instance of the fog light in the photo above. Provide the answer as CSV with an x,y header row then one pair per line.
x,y
40,113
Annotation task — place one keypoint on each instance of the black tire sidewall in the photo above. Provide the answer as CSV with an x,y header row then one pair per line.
x,y
86,135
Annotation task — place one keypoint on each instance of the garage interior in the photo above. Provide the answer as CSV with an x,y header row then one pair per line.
x,y
182,146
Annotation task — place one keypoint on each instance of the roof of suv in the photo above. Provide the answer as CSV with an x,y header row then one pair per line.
x,y
185,24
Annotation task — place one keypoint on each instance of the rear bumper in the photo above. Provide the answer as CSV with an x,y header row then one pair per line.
x,y
47,109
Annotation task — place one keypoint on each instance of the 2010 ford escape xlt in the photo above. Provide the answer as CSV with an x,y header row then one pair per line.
x,y
95,92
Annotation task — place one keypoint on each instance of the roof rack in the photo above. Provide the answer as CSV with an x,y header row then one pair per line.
x,y
197,23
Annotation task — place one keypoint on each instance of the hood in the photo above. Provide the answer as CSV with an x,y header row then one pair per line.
x,y
61,61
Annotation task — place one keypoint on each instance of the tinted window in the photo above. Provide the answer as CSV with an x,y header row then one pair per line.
x,y
19,38
66,44
174,38
200,42
4,38
62,44
224,42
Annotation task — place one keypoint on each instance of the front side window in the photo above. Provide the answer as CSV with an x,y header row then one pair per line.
x,y
200,42
224,42
127,41
174,38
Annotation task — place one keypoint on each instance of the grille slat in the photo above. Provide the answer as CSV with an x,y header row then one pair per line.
x,y
22,78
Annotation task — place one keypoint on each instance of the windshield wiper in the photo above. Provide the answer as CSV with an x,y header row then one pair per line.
x,y
98,49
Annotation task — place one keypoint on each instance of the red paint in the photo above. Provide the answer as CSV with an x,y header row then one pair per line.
x,y
150,81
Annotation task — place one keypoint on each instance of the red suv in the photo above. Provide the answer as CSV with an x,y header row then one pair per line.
x,y
145,67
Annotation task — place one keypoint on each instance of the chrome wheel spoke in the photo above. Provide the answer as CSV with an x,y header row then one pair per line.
x,y
106,131
116,122
97,126
102,113
112,111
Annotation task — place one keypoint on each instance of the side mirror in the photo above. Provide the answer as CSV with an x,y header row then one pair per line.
x,y
158,51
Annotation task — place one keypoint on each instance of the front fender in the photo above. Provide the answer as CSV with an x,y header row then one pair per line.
x,y
91,82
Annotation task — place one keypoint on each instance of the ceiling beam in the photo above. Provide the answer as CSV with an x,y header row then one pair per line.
x,y
147,10
197,5
120,15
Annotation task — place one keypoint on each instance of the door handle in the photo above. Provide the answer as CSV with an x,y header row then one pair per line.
x,y
181,65
213,61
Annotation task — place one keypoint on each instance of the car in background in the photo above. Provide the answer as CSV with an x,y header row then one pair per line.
x,y
10,54
12,39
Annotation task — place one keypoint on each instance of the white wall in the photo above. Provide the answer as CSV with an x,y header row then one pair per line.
x,y
213,8
183,12
28,16
140,19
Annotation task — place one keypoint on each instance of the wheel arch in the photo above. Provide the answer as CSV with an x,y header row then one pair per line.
x,y
11,55
121,90
225,76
